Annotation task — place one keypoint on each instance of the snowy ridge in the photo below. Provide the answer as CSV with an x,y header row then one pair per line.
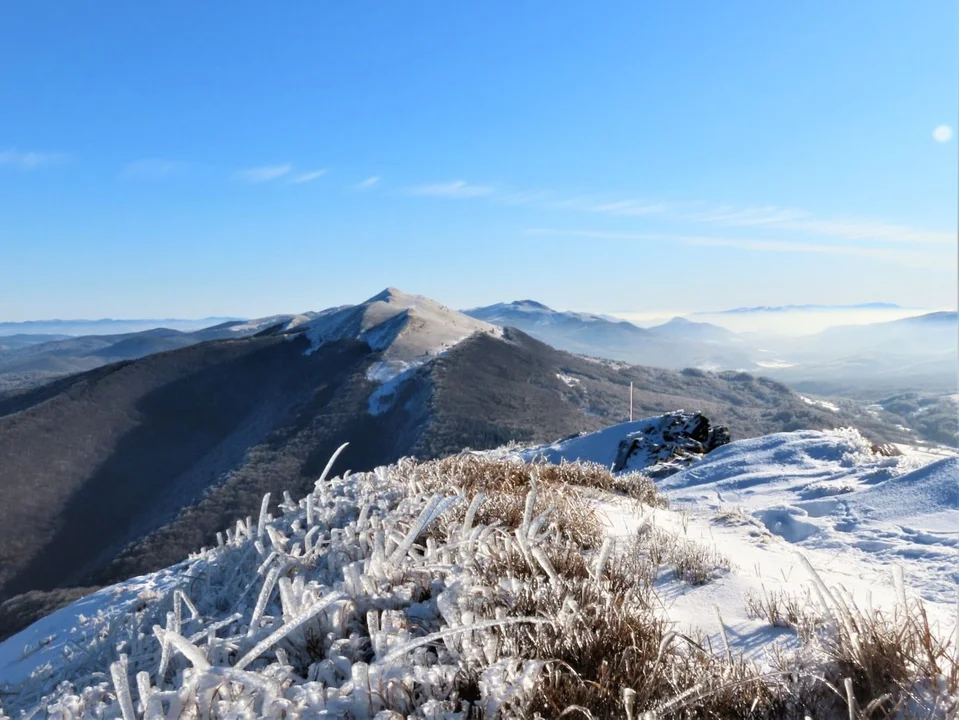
x,y
408,330
855,513
502,313
285,322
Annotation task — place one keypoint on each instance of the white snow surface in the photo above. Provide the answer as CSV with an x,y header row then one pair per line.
x,y
390,376
252,326
408,330
825,404
828,492
58,641
763,502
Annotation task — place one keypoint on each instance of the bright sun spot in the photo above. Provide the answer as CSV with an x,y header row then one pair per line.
x,y
942,133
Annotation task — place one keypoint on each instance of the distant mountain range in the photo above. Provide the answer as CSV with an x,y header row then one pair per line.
x,y
804,308
184,442
108,326
27,360
914,353
677,344
911,354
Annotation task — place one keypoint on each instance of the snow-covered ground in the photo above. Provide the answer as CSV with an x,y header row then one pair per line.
x,y
763,502
568,380
763,508
825,404
827,492
252,326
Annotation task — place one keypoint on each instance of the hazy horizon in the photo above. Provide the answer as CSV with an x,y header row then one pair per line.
x,y
739,320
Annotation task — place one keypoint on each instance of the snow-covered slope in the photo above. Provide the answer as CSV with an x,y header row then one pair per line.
x,y
854,513
407,329
281,322
829,491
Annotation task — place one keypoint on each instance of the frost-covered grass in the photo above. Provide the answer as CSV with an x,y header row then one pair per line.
x,y
464,588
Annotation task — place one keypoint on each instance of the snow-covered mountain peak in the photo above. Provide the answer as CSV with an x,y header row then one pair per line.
x,y
391,295
407,329
530,312
529,306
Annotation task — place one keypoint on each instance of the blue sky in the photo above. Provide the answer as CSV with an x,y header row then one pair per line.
x,y
238,158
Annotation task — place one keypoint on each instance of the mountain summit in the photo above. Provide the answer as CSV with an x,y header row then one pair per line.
x,y
525,313
406,329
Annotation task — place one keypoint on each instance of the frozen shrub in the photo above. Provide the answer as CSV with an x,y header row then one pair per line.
x,y
506,482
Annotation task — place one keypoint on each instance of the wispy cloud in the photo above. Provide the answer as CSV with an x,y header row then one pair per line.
x,y
849,236
631,207
305,177
24,160
777,218
901,256
368,183
152,168
453,189
766,217
263,174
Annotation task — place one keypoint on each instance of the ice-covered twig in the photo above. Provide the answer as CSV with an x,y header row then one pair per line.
x,y
121,684
399,652
329,464
284,630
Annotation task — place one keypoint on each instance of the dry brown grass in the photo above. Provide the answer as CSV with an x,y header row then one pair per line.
x,y
606,650
737,517
783,610
475,473
506,483
691,561
896,662
872,663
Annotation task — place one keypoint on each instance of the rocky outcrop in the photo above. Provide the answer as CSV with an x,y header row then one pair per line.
x,y
669,443
658,446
